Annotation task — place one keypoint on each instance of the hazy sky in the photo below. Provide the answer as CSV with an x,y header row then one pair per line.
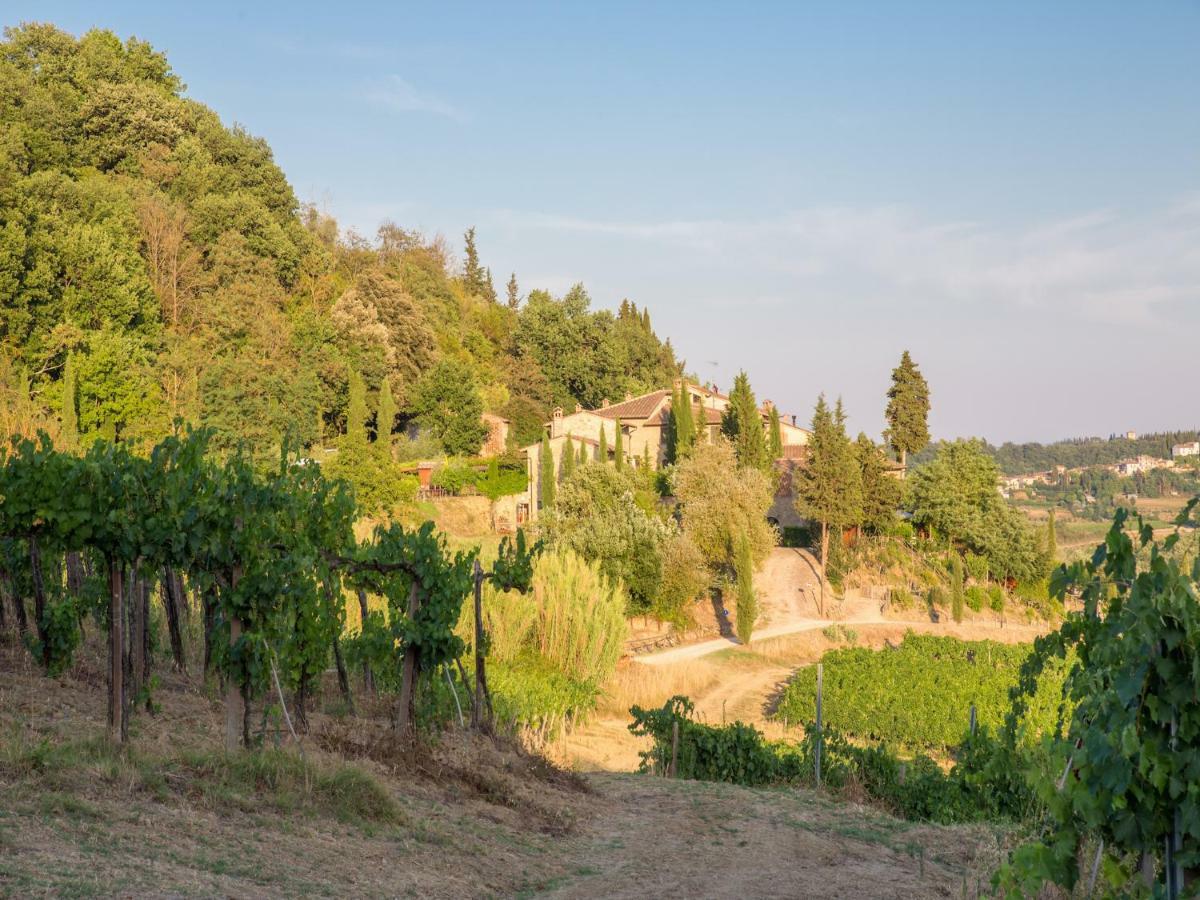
x,y
1011,191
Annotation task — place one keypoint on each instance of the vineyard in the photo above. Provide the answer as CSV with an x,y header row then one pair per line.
x,y
919,695
270,555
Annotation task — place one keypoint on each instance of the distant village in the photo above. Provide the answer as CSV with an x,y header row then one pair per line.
x,y
1124,468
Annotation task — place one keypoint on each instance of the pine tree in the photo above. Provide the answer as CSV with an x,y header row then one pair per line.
x,y
546,474
70,417
356,409
880,491
742,424
476,279
829,487
568,459
747,599
602,449
619,448
385,416
908,409
514,295
776,434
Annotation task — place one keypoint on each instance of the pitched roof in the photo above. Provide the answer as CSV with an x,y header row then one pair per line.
x,y
636,408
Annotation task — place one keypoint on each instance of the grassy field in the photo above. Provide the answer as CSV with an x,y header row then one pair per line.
x,y
456,816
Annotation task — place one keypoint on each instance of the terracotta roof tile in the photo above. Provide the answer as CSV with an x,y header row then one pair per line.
x,y
638,408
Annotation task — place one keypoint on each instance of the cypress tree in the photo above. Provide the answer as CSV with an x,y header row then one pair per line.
x,y
619,448
514,294
385,415
1051,540
776,435
747,600
546,474
685,425
70,417
356,409
583,455
568,459
646,457
956,586
602,449
908,409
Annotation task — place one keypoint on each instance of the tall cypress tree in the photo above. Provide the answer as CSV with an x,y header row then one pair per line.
x,y
583,455
70,417
546,473
619,448
685,425
1051,540
568,459
385,416
829,487
356,409
747,599
514,294
776,434
907,409
602,448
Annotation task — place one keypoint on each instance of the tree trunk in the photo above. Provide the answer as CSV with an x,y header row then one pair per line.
x,y
208,601
3,601
368,677
118,727
480,676
412,670
171,604
146,661
75,574
39,601
235,705
137,634
903,464
343,677
824,560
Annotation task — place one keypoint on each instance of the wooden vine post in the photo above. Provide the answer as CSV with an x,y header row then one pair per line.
x,y
480,675
118,726
412,668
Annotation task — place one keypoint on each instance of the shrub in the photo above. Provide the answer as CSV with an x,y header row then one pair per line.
x,y
902,598
453,477
996,598
975,597
684,578
977,567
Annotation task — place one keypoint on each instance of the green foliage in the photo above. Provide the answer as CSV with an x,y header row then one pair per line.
x,y
985,782
920,694
976,566
70,415
502,481
975,597
829,488
1132,736
775,434
684,578
747,599
618,446
908,408
721,505
742,424
567,465
880,491
546,474
597,515
447,402
955,567
956,496
602,446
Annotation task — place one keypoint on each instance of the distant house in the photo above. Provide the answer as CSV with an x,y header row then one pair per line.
x,y
1142,464
1179,451
1131,435
644,420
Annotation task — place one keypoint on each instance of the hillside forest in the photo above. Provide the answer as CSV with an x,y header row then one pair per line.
x,y
155,264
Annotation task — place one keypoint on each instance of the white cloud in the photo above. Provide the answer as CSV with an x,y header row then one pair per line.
x,y
1098,266
396,94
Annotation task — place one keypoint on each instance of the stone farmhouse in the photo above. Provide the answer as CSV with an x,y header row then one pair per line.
x,y
1190,448
643,422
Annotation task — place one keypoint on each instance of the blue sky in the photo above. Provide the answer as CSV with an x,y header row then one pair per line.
x,y
1009,190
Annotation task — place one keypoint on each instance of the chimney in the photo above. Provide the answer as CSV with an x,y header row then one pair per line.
x,y
628,395
604,403
793,421
578,407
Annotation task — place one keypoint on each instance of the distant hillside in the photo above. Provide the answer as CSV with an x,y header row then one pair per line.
x,y
1022,459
